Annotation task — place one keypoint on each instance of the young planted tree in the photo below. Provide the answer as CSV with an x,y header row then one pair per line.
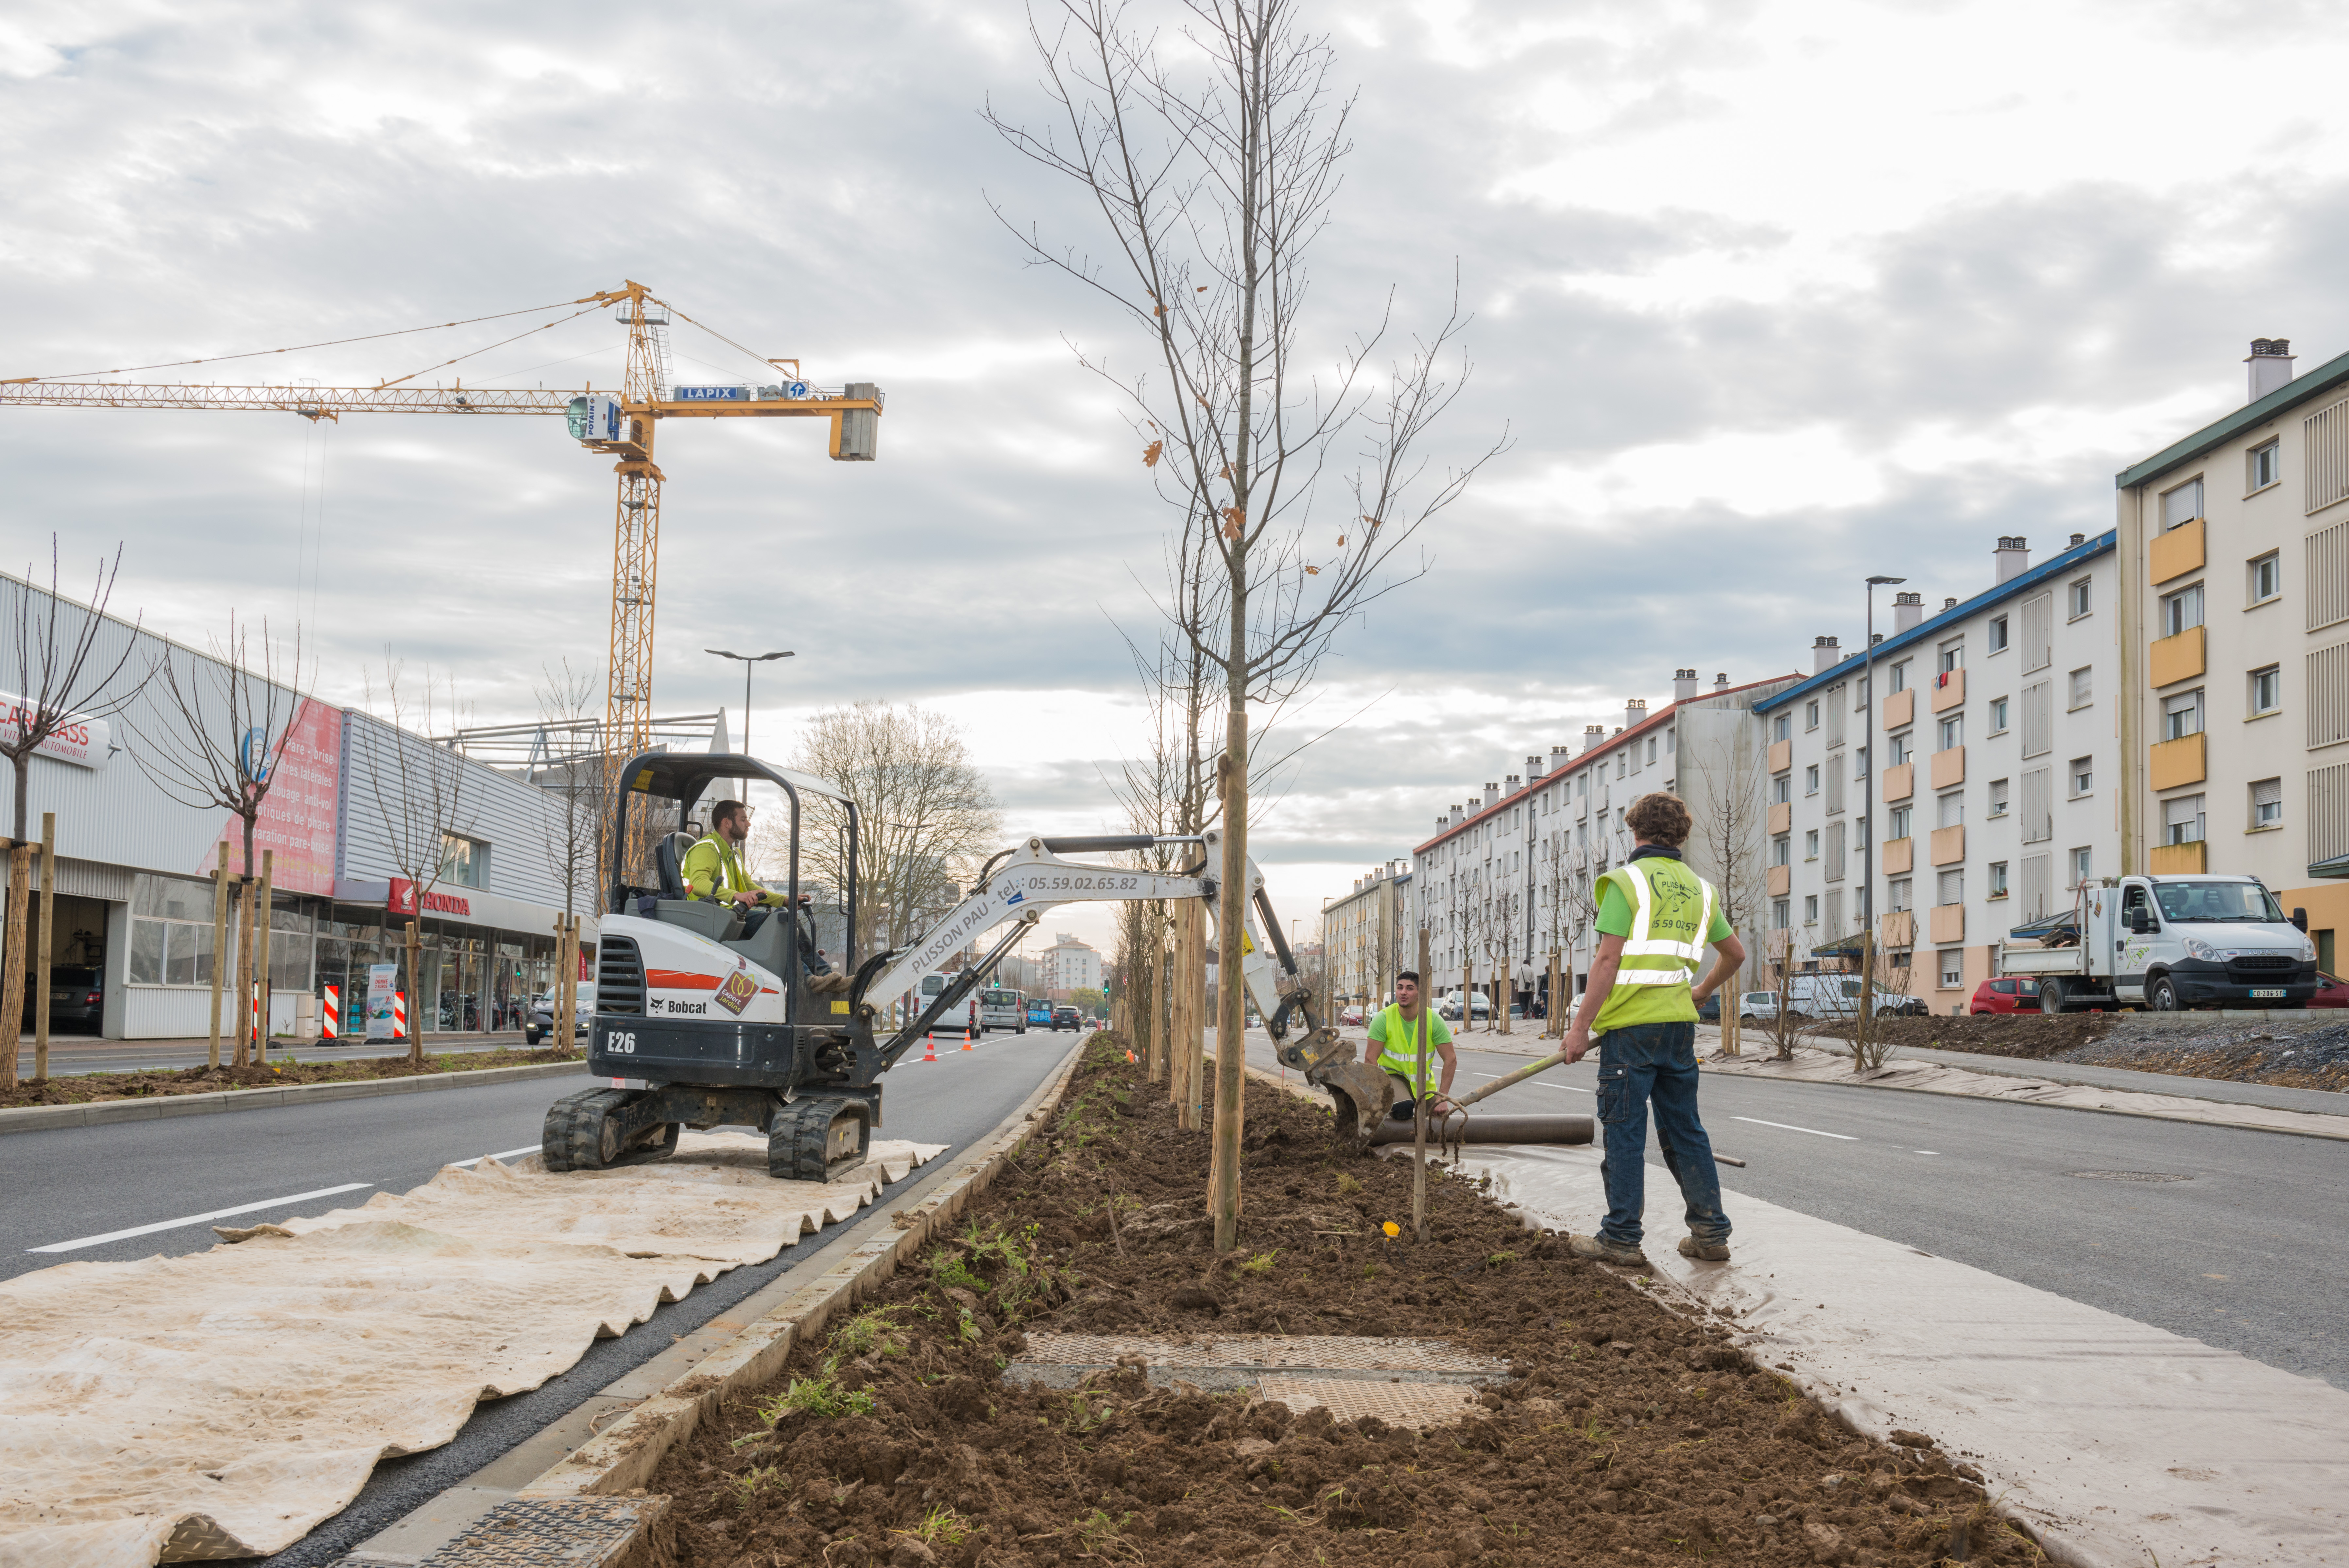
x,y
576,774
1731,840
65,673
422,805
213,742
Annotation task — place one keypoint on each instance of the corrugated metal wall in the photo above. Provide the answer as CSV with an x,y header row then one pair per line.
x,y
388,797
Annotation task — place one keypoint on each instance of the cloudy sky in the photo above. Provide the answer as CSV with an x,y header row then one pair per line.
x,y
1767,296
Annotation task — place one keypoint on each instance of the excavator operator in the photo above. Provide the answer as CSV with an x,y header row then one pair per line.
x,y
713,867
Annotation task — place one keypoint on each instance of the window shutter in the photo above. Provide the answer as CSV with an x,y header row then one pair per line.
x,y
2328,576
1836,710
2038,805
1835,852
2038,877
1835,787
1834,926
2328,812
2039,719
2325,435
2328,696
2038,631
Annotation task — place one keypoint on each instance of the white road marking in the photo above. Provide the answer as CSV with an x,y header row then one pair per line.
x,y
1931,1151
197,1219
501,1154
1790,1127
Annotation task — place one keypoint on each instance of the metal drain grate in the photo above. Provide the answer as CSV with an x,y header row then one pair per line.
x,y
2127,1176
549,1532
1410,1404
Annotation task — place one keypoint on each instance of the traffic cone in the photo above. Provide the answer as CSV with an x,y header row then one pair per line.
x,y
931,1046
966,1039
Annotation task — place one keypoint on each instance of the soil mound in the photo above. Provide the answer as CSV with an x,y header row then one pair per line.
x,y
1626,1434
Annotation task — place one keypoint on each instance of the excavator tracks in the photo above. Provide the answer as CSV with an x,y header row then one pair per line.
x,y
589,1131
817,1139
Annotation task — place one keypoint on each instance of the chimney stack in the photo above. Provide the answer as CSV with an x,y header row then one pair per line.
x,y
1559,756
1492,794
1510,785
2078,540
1721,683
1683,685
1635,713
1908,609
1826,654
2271,364
1533,768
2011,558
1949,604
1591,735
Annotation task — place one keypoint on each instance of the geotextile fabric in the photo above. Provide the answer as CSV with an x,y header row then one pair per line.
x,y
221,1403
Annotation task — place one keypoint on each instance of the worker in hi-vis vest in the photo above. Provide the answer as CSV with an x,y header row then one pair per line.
x,y
1395,1031
1656,917
713,867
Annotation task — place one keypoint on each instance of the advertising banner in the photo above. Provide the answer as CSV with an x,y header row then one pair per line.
x,y
383,987
77,739
297,815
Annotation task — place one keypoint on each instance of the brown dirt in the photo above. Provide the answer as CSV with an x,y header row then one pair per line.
x,y
85,1088
2296,1053
2034,1036
1629,1435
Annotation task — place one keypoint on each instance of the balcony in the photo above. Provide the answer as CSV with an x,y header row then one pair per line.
x,y
1900,780
1949,923
1898,930
2177,859
1782,818
2179,762
1782,882
1901,708
2176,553
1951,692
2175,659
1949,845
1949,767
1899,856
1782,756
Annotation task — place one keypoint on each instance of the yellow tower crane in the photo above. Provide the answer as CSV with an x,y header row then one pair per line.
x,y
621,425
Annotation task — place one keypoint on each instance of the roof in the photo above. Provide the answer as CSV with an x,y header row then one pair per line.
x,y
2333,373
2022,582
1597,753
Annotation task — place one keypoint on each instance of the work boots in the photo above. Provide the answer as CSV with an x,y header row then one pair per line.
x,y
1709,1252
1606,1251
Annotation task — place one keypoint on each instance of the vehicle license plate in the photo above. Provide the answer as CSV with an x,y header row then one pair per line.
x,y
2274,993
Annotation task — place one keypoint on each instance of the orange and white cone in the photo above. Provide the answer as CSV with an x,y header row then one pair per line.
x,y
931,1046
966,1039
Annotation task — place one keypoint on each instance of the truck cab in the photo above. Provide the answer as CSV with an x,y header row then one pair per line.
x,y
2171,943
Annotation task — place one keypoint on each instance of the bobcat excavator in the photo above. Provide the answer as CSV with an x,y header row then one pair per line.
x,y
697,1024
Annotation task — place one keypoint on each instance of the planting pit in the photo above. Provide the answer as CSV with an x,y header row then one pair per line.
x,y
1075,1374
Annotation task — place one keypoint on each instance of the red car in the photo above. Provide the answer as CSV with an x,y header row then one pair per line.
x,y
2014,994
2330,991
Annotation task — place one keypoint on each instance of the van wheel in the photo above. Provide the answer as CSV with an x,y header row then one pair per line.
x,y
2161,995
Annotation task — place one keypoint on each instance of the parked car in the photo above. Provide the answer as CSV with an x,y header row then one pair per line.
x,y
1758,1007
77,998
2011,993
1448,1007
1351,1015
1066,1018
540,1024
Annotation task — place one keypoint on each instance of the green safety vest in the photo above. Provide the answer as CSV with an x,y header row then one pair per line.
x,y
1671,910
1399,1054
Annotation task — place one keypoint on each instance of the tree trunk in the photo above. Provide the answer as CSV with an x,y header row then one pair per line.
x,y
220,949
12,990
1467,993
1554,1021
415,996
1231,941
47,949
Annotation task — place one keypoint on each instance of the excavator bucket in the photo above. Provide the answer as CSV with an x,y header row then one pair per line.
x,y
1363,1093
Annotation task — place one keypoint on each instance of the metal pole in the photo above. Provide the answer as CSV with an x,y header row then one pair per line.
x,y
1867,782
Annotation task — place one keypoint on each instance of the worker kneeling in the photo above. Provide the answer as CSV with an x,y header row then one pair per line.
x,y
1655,918
714,872
1395,1032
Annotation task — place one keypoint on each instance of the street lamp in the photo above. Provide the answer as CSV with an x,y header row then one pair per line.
x,y
747,659
1868,787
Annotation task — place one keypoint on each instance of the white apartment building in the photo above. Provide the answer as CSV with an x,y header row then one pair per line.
x,y
1998,794
2235,552
1510,876
1067,965
1369,934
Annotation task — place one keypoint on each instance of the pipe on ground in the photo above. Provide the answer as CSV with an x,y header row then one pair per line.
x,y
1491,1129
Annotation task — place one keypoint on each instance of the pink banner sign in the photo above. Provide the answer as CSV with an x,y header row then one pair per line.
x,y
297,815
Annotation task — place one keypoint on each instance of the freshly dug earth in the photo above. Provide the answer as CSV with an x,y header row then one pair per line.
x,y
83,1088
2292,1050
1627,1435
2039,1037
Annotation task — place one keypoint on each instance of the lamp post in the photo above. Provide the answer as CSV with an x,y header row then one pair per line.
x,y
1868,787
747,659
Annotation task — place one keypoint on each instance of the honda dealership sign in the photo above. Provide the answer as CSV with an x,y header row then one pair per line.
x,y
77,739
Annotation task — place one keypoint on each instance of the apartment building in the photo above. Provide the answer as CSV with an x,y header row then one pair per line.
x,y
1511,874
1998,782
1069,964
2236,751
1370,933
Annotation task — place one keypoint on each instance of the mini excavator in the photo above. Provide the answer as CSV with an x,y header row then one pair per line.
x,y
698,1024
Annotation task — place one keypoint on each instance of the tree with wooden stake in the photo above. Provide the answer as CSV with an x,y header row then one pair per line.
x,y
421,803
1419,1112
49,946
1214,168
65,680
214,743
220,947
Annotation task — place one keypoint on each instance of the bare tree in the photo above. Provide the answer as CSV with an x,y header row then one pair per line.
x,y
62,679
421,804
1731,841
1214,167
573,773
925,815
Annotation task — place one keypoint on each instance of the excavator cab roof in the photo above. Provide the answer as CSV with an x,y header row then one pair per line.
x,y
682,777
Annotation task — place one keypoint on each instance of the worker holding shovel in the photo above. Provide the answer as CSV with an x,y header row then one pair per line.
x,y
1656,917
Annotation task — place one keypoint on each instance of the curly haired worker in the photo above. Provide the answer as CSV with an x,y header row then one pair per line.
x,y
1656,917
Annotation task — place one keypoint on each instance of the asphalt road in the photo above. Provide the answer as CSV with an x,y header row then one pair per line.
x,y
2248,1252
74,1054
80,1182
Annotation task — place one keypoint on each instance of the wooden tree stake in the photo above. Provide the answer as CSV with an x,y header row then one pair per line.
x,y
265,973
219,948
48,944
1419,1106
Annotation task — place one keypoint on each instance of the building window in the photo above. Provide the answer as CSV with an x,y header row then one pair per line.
x,y
1811,715
2083,597
1949,810
2267,803
1997,879
1652,751
1896,893
2182,505
1782,728
2084,776
463,861
1811,779
1949,887
1998,634
1899,679
1953,967
1998,715
1902,745
2267,690
1952,656
1954,731
1811,845
1782,849
2265,464
1781,911
2082,866
2084,689
2266,579
172,932
2180,611
1622,763
1782,789
1998,797
1811,909
2181,820
2181,715
1859,762
1900,821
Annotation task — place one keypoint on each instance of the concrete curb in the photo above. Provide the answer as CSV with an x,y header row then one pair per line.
x,y
99,1113
623,1456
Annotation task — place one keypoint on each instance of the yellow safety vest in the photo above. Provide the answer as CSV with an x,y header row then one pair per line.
x,y
1671,910
730,878
1399,1053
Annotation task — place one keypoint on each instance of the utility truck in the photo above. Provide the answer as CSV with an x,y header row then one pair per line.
x,y
2166,943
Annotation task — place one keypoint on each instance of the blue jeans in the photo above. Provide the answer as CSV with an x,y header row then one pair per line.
x,y
1643,1063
